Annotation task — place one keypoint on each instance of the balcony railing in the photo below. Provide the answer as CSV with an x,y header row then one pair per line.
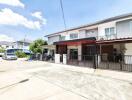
x,y
107,37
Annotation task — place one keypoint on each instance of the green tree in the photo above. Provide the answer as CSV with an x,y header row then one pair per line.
x,y
2,50
36,46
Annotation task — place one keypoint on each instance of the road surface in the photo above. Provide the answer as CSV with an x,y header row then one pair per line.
x,y
36,80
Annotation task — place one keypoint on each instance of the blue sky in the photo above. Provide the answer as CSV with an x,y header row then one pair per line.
x,y
36,18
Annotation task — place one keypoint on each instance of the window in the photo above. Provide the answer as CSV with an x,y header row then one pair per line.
x,y
73,36
62,38
90,33
109,31
130,26
112,30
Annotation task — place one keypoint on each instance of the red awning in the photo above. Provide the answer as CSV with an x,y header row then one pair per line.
x,y
77,42
91,40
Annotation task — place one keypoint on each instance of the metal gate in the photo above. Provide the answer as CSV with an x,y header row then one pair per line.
x,y
121,62
79,60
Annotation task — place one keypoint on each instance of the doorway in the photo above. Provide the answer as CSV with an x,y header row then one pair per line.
x,y
74,54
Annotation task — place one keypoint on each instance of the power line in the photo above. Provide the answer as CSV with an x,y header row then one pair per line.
x,y
63,15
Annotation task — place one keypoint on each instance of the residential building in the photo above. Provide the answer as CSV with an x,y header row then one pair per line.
x,y
102,37
22,44
6,45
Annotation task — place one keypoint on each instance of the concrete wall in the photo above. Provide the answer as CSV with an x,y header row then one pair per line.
x,y
124,29
101,29
128,49
53,39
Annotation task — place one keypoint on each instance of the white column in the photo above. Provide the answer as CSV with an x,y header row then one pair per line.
x,y
80,52
57,58
68,54
128,53
64,58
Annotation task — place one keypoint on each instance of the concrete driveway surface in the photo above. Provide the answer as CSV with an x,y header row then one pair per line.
x,y
36,80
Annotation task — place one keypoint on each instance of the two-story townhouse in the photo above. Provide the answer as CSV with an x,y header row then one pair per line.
x,y
106,37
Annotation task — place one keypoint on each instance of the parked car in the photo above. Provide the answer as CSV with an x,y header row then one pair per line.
x,y
9,56
1,54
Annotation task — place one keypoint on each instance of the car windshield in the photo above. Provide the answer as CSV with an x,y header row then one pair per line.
x,y
10,54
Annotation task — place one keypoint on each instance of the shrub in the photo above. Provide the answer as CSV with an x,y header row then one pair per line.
x,y
20,54
2,50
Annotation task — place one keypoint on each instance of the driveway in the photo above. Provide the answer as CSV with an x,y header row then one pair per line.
x,y
36,80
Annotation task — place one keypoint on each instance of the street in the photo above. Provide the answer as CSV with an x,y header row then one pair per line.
x,y
36,80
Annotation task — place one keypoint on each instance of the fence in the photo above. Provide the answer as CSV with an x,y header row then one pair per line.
x,y
119,62
85,60
43,57
112,62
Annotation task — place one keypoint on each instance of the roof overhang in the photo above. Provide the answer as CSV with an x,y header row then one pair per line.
x,y
91,40
49,47
119,40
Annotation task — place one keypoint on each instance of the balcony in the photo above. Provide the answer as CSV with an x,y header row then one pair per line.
x,y
107,37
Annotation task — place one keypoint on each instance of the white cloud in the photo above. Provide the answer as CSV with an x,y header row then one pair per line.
x,y
8,17
39,16
16,3
6,38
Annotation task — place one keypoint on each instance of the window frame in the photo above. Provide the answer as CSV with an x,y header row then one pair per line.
x,y
62,38
74,36
130,26
110,31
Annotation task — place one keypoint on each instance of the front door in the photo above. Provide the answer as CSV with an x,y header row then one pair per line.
x,y
74,54
88,51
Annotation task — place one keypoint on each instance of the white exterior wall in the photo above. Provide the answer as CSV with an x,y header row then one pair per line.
x,y
71,32
122,32
124,29
101,29
80,52
82,34
128,49
53,39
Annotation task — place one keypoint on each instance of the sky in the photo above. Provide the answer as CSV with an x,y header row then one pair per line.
x,y
33,19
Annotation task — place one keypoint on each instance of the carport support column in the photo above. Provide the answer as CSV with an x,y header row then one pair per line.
x,y
79,52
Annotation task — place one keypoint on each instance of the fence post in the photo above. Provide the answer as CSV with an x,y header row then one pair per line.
x,y
95,62
121,65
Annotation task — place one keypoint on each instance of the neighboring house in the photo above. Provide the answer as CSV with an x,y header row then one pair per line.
x,y
6,45
102,38
22,44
